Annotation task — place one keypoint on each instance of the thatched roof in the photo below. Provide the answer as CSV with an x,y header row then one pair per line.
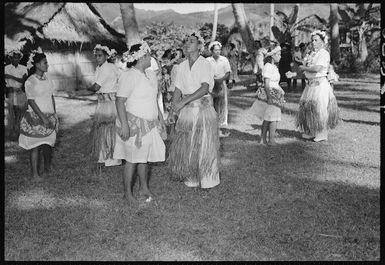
x,y
62,22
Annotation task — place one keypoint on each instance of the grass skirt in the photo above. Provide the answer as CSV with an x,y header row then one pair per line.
x,y
194,150
318,109
103,132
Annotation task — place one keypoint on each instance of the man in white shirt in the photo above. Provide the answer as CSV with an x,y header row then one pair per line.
x,y
221,68
15,75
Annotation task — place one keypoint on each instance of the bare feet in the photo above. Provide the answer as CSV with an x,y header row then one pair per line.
x,y
36,178
272,143
130,199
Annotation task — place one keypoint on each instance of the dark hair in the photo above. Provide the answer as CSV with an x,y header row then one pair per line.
x,y
212,47
36,59
181,50
167,53
322,37
134,48
268,59
232,46
102,51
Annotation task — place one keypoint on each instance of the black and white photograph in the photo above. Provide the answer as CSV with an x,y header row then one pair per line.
x,y
192,131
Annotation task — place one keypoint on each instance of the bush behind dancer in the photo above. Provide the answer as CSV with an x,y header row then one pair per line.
x,y
140,124
221,68
39,125
103,131
194,150
318,109
15,75
268,106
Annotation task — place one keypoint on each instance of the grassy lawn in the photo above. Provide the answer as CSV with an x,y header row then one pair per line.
x,y
296,201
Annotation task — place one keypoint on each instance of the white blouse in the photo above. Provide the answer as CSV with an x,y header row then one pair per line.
x,y
271,71
106,76
41,91
220,66
141,91
190,80
18,71
321,57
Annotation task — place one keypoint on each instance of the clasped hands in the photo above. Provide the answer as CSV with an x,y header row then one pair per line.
x,y
175,108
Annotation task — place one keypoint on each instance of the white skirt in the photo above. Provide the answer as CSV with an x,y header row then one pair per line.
x,y
152,149
32,142
265,111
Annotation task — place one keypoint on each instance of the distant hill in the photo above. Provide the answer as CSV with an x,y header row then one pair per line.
x,y
254,12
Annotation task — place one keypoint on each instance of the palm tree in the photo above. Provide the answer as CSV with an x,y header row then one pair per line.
x,y
363,19
129,23
334,33
244,29
214,34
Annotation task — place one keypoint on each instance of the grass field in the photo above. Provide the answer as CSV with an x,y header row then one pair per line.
x,y
295,201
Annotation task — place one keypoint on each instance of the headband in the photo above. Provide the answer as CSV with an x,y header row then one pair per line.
x,y
321,33
274,51
215,43
131,57
31,55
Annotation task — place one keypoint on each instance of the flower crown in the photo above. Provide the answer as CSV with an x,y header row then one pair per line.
x,y
131,57
12,52
274,51
109,52
31,55
215,43
321,33
199,37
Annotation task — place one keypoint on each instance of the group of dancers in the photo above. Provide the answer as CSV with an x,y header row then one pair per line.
x,y
129,123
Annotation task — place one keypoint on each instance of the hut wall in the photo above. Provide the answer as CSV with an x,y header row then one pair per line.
x,y
71,69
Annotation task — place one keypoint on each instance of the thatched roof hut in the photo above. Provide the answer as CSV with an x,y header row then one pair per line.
x,y
56,22
67,33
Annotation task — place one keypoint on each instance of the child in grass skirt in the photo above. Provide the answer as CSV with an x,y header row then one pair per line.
x,y
103,130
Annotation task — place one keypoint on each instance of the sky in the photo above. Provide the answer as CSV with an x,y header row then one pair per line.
x,y
182,8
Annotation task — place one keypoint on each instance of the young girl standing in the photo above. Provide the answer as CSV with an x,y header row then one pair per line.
x,y
103,128
39,125
268,109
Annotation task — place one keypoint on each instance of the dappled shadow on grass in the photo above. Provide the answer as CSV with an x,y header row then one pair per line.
x,y
289,202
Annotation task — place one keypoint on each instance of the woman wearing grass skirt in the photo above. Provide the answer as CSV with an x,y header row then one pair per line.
x,y
194,151
103,130
39,125
318,110
140,125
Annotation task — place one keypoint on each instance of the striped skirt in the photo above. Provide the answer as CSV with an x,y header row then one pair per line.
x,y
318,109
194,150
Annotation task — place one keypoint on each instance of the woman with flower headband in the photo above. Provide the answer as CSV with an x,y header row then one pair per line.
x,y
39,125
267,106
222,70
140,124
103,128
318,110
194,150
15,75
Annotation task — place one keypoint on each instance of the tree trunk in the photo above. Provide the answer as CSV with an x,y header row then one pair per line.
x,y
362,45
334,33
215,24
271,21
129,23
241,21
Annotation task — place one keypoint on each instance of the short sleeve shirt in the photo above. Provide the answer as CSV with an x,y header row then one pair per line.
x,y
41,91
190,80
106,76
220,66
271,71
18,72
322,57
141,91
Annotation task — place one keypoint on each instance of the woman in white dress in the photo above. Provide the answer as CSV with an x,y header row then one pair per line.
x,y
194,150
103,129
267,108
39,125
140,124
318,109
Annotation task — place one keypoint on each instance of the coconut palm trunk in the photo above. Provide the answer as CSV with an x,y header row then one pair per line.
x,y
242,23
215,24
334,33
129,23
